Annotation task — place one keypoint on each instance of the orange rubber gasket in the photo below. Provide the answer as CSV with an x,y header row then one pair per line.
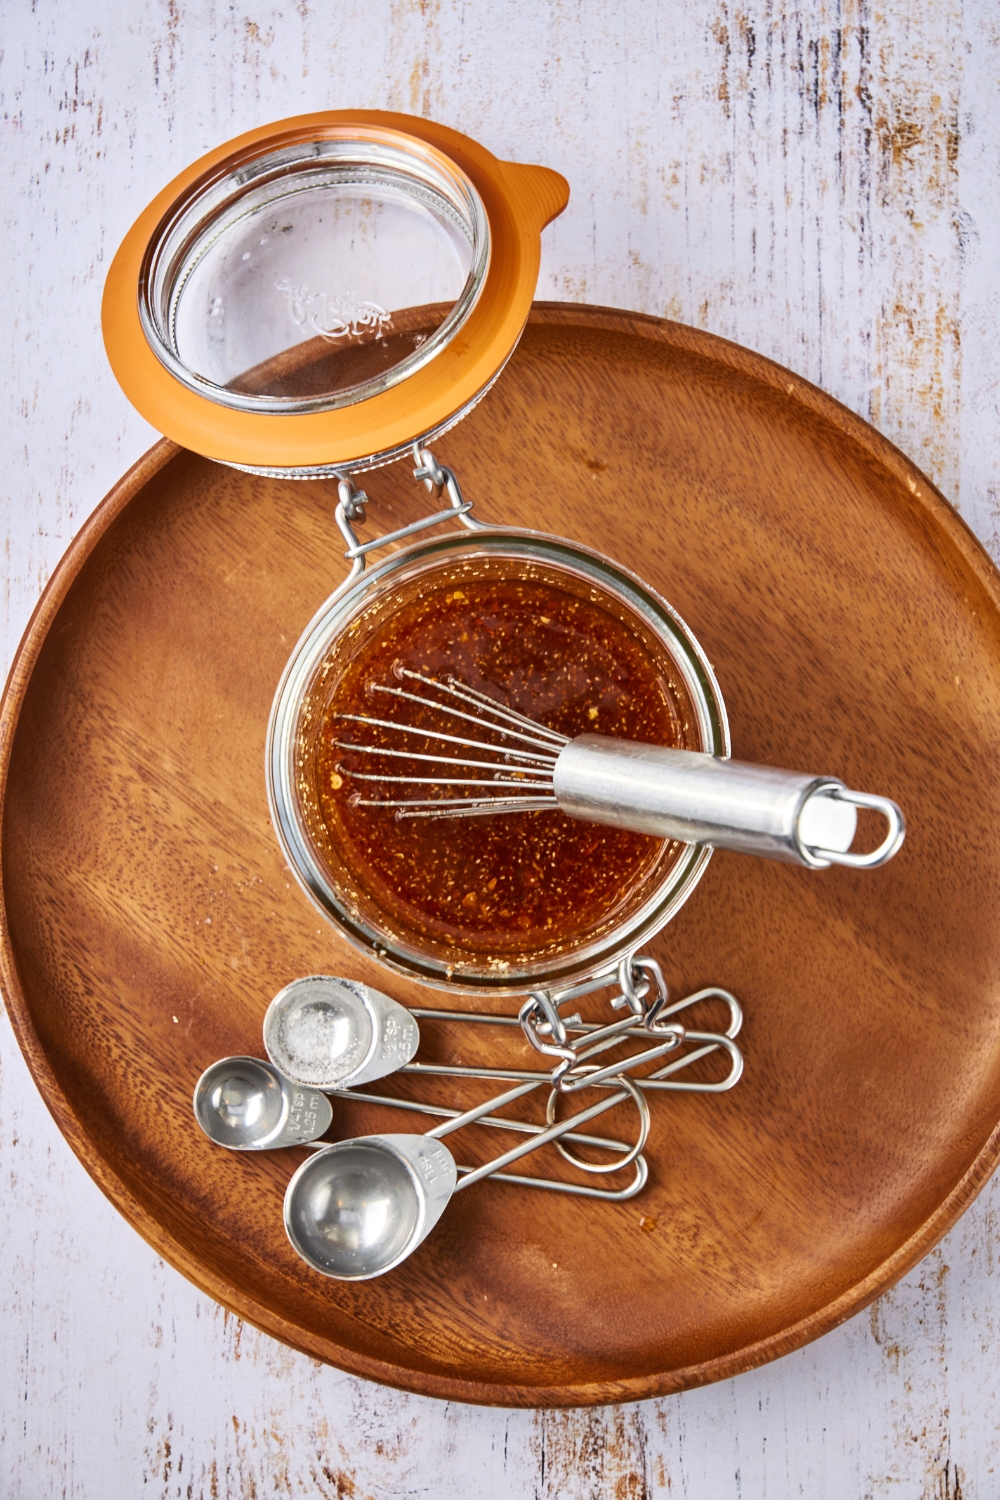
x,y
519,201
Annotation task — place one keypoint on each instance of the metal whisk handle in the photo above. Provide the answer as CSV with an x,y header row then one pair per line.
x,y
700,799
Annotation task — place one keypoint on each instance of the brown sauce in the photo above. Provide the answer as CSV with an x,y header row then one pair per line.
x,y
512,886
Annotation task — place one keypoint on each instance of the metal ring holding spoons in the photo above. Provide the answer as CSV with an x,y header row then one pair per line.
x,y
359,1207
600,1168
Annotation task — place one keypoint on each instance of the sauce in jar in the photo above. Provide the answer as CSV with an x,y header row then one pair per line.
x,y
506,888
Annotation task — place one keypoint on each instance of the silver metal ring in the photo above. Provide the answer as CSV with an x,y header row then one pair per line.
x,y
889,845
619,1081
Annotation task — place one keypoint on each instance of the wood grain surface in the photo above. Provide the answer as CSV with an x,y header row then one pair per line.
x,y
817,182
854,624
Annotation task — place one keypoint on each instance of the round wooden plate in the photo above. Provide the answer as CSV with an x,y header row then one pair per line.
x,y
148,917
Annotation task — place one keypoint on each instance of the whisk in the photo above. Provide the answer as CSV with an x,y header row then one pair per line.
x,y
673,794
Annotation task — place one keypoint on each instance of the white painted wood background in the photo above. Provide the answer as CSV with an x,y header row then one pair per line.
x,y
818,179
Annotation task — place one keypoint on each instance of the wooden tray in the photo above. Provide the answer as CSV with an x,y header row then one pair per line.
x,y
854,625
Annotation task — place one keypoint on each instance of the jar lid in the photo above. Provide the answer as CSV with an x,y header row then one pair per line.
x,y
319,293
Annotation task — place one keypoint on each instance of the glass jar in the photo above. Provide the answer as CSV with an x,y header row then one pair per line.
x,y
342,629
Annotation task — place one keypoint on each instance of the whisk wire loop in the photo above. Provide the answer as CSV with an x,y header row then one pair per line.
x,y
549,744
451,739
463,765
466,694
461,807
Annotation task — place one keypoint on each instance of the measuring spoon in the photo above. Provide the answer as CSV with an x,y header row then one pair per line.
x,y
244,1104
356,1209
328,1033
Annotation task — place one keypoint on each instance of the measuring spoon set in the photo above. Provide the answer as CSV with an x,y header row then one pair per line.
x,y
356,1208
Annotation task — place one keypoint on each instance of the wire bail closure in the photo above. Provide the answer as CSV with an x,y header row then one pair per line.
x,y
352,509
